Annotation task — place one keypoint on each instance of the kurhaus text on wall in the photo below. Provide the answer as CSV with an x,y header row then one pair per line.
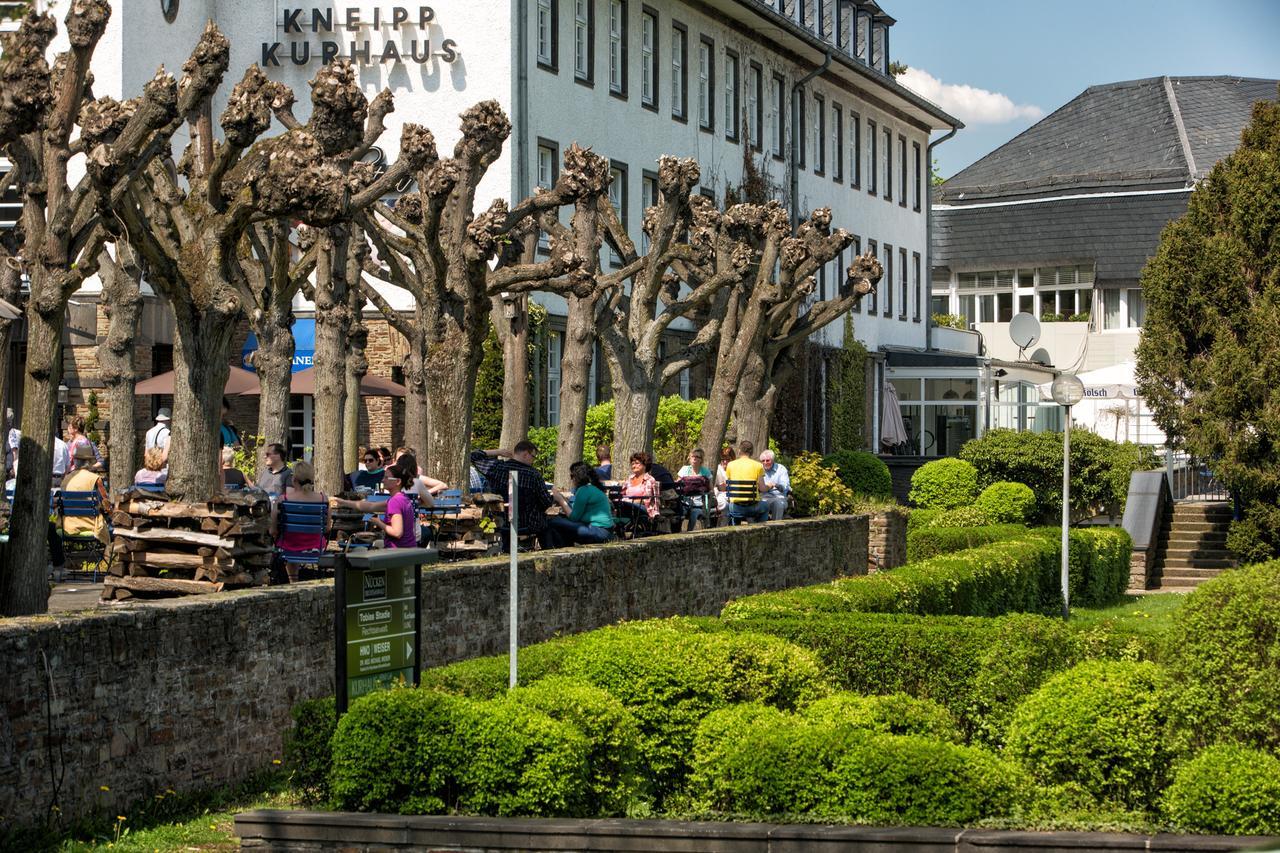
x,y
364,50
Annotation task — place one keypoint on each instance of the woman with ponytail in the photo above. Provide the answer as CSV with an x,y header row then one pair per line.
x,y
398,523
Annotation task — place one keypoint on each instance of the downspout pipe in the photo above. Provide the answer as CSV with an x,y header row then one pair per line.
x,y
928,239
522,101
793,166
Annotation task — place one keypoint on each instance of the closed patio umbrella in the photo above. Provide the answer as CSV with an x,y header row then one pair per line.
x,y
239,381
893,431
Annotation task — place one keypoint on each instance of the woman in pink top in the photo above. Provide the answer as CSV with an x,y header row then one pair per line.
x,y
640,487
398,523
301,489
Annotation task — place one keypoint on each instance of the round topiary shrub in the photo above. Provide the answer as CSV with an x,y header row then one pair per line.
x,y
1227,789
894,714
864,473
1006,502
944,484
613,738
1223,656
1101,725
399,751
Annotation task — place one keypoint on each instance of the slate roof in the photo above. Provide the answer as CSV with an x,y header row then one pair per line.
x,y
1117,233
1159,132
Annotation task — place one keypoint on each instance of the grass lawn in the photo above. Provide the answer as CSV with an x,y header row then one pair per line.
x,y
1144,615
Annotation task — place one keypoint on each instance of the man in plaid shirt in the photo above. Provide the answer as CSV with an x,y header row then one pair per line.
x,y
531,492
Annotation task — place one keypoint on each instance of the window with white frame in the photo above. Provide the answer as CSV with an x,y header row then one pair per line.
x,y
547,33
837,143
618,197
855,150
555,344
679,71
583,50
902,170
1136,307
548,172
755,106
648,199
732,94
819,134
872,164
1065,292
778,117
918,182
874,296
918,286
888,164
986,297
618,47
1122,308
855,249
706,84
903,293
888,280
649,59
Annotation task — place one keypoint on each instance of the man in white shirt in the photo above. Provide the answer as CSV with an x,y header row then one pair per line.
x,y
158,435
61,458
12,439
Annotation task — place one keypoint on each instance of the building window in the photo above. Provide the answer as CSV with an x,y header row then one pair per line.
x,y
888,164
802,129
874,296
548,173
888,280
915,150
902,170
819,134
1111,309
855,150
649,58
837,143
706,84
903,293
915,281
861,23
548,24
755,106
618,47
648,199
679,71
778,117
618,198
1137,307
856,248
1065,292
554,349
732,96
584,49
877,47
872,165
986,297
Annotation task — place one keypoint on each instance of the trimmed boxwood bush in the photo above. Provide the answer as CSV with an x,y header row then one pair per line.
x,y
926,542
307,750
944,484
920,518
1227,789
613,738
894,714
1224,658
1101,725
1007,503
864,473
486,678
962,516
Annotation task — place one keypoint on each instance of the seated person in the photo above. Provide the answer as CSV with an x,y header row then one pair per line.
x,y
695,485
398,522
605,469
301,489
423,486
370,476
231,475
744,469
777,485
83,477
154,470
641,488
590,520
722,500
532,498
660,473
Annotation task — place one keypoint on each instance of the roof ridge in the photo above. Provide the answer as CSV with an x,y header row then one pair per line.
x,y
1187,156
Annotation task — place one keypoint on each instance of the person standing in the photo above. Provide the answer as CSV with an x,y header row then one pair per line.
x,y
158,435
777,485
277,476
590,520
61,458
748,475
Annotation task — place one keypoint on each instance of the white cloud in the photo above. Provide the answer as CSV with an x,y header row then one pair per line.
x,y
968,103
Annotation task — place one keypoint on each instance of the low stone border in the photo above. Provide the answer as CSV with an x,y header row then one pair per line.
x,y
271,830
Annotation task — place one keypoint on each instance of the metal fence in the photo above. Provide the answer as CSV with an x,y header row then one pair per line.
x,y
1191,478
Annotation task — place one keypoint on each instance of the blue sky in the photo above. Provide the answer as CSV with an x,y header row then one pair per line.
x,y
1039,54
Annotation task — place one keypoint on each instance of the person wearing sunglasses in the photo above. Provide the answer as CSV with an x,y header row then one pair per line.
x,y
371,476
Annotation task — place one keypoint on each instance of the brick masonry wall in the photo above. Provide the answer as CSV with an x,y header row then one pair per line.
x,y
196,692
887,541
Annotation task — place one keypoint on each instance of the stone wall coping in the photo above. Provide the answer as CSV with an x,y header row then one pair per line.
x,y
270,829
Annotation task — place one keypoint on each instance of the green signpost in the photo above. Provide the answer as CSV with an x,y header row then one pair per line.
x,y
376,619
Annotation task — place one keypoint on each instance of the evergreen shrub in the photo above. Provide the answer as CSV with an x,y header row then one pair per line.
x,y
1101,725
818,488
1224,658
307,749
963,516
927,542
864,473
1226,789
486,678
891,714
1007,503
944,484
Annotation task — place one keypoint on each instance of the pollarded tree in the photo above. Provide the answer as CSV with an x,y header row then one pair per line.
x,y
121,301
434,246
1207,362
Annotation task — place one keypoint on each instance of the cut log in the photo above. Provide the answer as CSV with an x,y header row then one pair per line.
x,y
182,537
140,584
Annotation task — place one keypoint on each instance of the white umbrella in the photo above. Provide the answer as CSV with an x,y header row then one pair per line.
x,y
1115,382
892,429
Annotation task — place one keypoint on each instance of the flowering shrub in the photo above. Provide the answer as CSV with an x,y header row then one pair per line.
x,y
818,488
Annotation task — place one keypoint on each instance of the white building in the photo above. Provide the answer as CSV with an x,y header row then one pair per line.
x,y
796,84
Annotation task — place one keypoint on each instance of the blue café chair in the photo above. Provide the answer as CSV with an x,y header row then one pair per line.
x,y
301,517
82,505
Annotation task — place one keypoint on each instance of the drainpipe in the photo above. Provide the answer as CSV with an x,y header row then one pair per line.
x,y
928,239
522,101
794,165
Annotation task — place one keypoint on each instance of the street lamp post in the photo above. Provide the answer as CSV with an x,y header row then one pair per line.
x,y
1067,390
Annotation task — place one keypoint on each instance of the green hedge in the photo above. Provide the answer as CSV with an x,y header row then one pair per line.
x,y
892,714
1101,725
1227,789
926,542
759,761
944,484
1013,575
307,748
1224,658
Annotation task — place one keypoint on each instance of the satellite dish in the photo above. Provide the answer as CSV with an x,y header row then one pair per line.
x,y
1041,356
1024,328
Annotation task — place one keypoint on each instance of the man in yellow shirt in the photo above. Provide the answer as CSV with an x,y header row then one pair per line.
x,y
746,477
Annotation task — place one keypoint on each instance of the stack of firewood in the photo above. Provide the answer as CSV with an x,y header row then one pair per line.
x,y
163,547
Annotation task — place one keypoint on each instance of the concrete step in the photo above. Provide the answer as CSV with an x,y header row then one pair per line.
x,y
1197,563
1202,512
1190,574
1195,536
1194,553
1205,526
1178,586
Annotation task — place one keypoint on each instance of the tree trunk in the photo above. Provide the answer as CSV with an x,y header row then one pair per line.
x,y
24,587
201,359
273,360
122,302
513,332
332,325
575,376
753,404
357,368
452,364
635,400
416,412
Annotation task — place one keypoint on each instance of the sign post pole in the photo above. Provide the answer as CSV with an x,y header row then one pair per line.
x,y
514,597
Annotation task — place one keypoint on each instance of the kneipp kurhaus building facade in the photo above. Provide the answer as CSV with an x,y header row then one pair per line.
x,y
801,86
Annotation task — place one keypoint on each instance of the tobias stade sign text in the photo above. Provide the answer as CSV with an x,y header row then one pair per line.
x,y
363,50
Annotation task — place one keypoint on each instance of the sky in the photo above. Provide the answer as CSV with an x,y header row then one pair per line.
x,y
1001,65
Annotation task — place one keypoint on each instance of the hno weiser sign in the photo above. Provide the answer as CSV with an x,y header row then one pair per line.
x,y
409,40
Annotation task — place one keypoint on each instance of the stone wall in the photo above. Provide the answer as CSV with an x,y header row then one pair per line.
x,y
119,703
887,541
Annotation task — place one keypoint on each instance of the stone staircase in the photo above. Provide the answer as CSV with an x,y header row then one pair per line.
x,y
1193,544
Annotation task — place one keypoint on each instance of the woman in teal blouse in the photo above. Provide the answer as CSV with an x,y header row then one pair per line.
x,y
590,520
